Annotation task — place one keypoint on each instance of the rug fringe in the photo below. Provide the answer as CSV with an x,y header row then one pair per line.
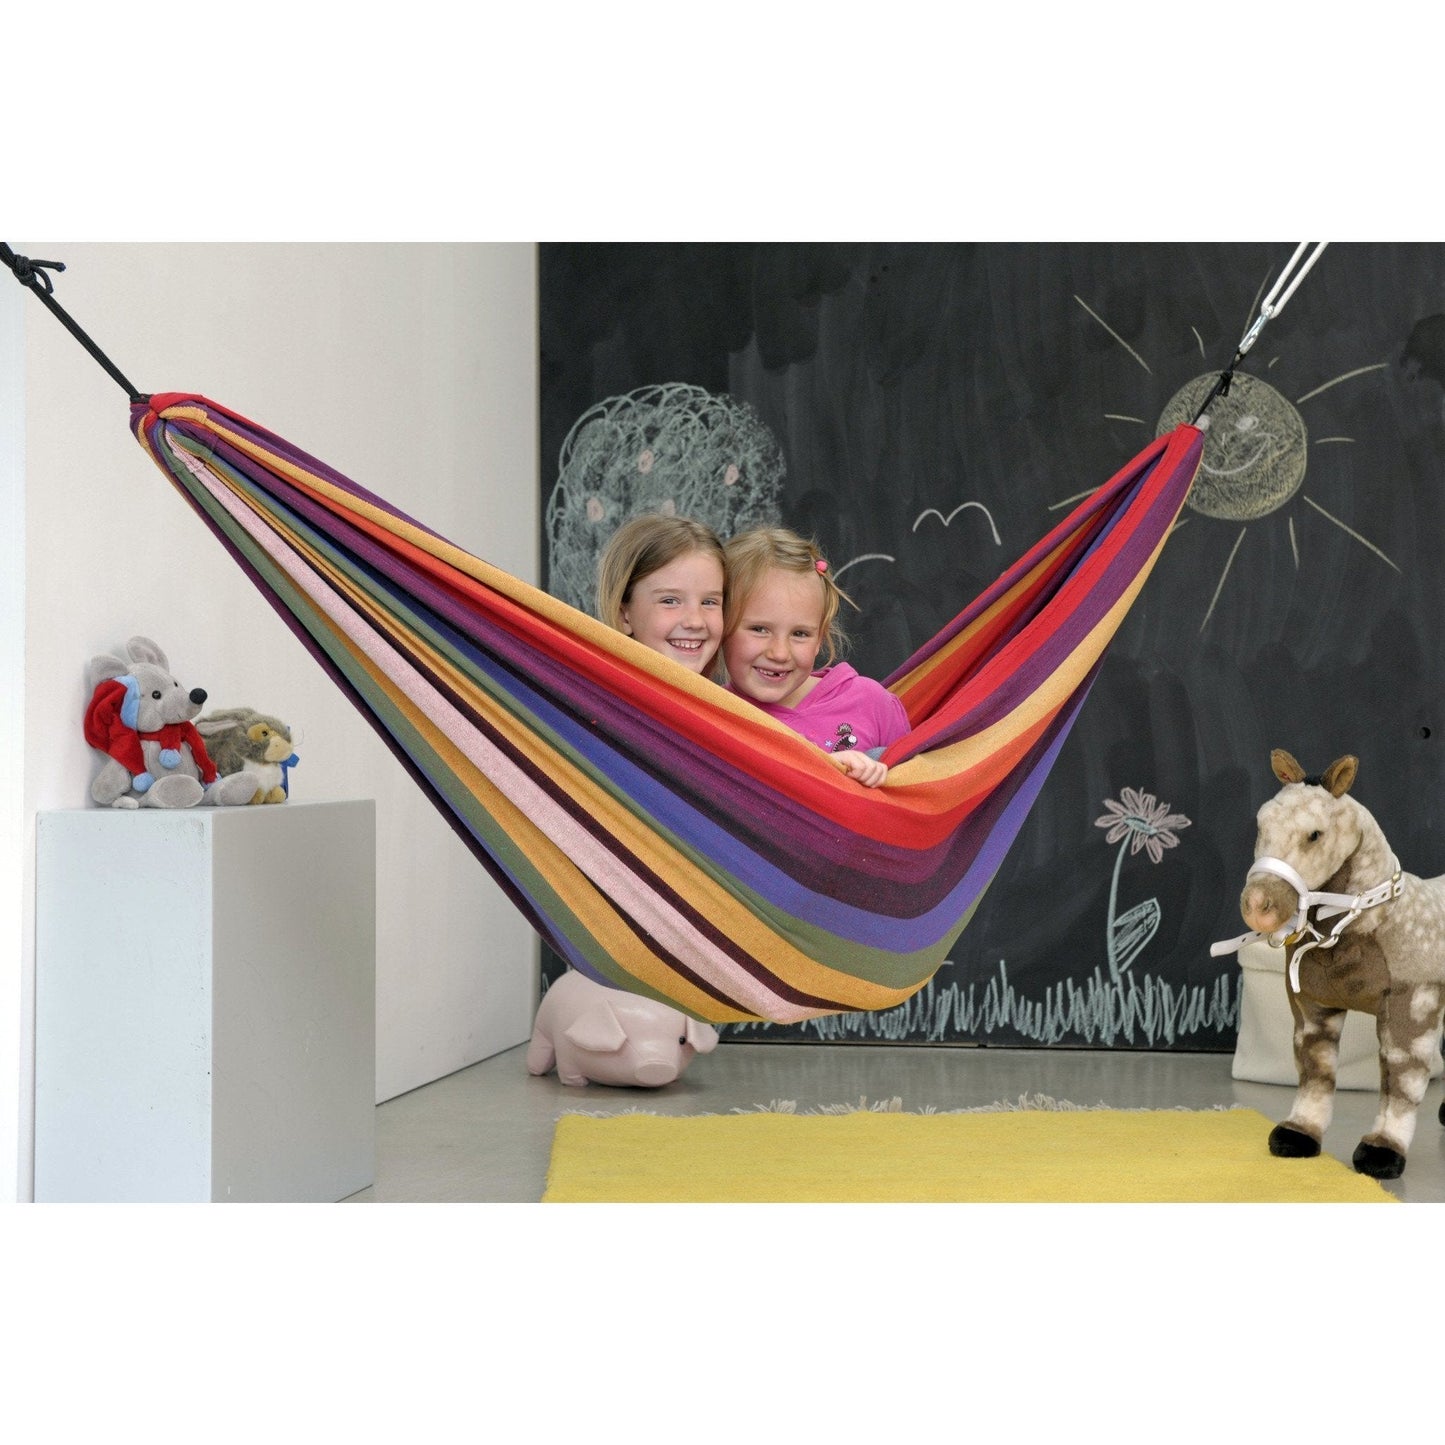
x,y
1025,1103
612,1113
893,1105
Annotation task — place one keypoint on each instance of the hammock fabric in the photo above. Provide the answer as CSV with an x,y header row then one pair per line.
x,y
662,835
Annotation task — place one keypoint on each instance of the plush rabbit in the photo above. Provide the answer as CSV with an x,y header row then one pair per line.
x,y
244,741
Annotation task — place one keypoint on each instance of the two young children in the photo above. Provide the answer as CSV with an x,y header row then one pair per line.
x,y
768,600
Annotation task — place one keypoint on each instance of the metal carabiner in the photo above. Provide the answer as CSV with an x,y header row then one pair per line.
x,y
1271,306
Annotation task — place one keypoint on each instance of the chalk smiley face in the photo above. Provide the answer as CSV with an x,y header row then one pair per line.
x,y
1255,447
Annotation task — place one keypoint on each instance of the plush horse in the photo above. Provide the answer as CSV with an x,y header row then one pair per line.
x,y
1359,933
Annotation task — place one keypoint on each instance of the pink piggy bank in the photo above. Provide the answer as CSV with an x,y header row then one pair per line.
x,y
600,1035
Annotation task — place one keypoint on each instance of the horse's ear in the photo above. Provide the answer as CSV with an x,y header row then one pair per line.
x,y
1340,774
1285,768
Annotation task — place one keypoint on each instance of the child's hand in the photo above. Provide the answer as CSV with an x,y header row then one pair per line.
x,y
860,767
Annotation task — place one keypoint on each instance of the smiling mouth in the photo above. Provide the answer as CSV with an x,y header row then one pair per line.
x,y
1243,466
685,644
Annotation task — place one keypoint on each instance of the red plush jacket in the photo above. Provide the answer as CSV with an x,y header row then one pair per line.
x,y
105,730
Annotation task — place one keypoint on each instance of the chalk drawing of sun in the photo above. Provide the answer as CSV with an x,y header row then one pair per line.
x,y
1256,449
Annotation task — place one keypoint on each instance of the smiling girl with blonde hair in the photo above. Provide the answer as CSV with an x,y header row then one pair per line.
x,y
782,611
660,579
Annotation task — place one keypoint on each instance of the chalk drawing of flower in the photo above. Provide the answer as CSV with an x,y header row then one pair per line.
x,y
1136,821
1150,825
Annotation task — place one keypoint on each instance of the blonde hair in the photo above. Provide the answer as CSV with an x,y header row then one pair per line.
x,y
642,546
751,555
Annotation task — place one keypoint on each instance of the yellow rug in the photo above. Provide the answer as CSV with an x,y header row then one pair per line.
x,y
1073,1155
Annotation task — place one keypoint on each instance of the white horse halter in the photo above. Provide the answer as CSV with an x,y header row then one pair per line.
x,y
1343,908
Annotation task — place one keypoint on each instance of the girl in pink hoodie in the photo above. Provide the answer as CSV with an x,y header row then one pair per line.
x,y
782,608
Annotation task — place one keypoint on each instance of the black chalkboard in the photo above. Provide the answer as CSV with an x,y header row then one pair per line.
x,y
934,407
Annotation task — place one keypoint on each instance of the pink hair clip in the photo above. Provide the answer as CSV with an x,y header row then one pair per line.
x,y
821,565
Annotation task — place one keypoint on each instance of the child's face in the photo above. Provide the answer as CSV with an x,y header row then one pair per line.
x,y
771,652
678,610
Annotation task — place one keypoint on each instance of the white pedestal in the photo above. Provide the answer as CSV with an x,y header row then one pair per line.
x,y
1264,1051
205,1003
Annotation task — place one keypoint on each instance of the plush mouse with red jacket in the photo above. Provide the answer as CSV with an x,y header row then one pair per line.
x,y
139,716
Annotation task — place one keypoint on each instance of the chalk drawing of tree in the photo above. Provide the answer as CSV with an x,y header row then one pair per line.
x,y
1136,821
675,449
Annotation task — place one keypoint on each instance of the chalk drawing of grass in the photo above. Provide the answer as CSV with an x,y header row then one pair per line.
x,y
1123,1008
1137,1010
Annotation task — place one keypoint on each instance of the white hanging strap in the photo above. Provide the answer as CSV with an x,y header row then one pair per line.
x,y
1274,303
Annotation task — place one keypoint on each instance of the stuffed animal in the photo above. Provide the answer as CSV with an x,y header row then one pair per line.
x,y
249,743
1360,933
139,716
594,1034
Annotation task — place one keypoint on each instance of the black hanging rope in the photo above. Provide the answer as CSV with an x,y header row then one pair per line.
x,y
34,274
1220,387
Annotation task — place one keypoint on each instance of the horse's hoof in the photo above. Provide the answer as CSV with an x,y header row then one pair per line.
x,y
1287,1143
1442,1113
1378,1161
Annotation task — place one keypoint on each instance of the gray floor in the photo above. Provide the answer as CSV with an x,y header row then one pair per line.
x,y
484,1135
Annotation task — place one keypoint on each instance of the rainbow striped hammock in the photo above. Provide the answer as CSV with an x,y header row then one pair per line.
x,y
660,834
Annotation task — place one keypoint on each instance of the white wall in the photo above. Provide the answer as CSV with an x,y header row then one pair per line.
x,y
15,828
410,368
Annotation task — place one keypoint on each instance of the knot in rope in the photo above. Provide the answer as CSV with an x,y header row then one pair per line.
x,y
31,273
34,275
